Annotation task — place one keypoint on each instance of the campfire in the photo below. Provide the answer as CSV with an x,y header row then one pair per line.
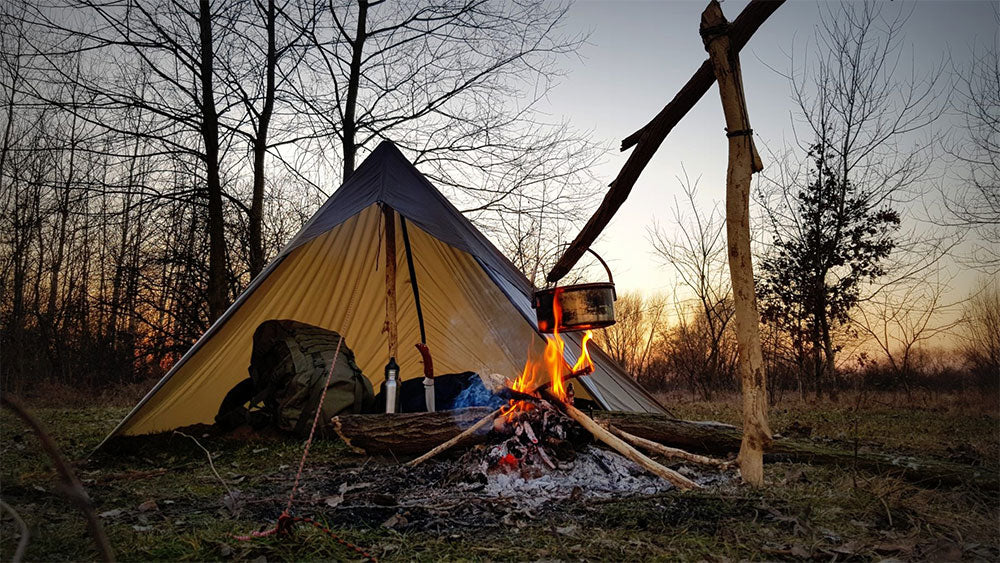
x,y
535,430
539,429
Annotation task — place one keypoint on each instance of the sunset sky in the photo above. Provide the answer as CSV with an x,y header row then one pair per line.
x,y
640,53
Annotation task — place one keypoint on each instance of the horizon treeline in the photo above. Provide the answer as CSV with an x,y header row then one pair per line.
x,y
155,156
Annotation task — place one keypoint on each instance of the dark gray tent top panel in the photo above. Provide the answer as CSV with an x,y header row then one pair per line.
x,y
386,176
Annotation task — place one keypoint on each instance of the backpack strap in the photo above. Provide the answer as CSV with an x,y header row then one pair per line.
x,y
359,393
299,360
316,364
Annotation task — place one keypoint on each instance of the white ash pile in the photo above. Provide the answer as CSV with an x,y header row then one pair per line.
x,y
544,455
593,473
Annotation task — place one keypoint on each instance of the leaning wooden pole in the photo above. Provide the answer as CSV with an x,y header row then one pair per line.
x,y
743,162
390,280
648,139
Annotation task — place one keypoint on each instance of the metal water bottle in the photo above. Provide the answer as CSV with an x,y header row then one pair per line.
x,y
391,386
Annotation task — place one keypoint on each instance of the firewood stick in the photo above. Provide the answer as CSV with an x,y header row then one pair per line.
x,y
623,448
666,451
488,419
572,375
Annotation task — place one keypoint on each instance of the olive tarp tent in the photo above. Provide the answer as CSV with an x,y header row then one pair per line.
x,y
476,304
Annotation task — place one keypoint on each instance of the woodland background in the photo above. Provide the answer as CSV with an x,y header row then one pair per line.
x,y
156,155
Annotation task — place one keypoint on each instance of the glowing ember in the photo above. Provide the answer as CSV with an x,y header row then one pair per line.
x,y
551,366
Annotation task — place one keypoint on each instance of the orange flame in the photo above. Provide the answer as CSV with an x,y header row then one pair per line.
x,y
552,365
584,362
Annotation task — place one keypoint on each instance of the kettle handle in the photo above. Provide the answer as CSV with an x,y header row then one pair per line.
x,y
611,280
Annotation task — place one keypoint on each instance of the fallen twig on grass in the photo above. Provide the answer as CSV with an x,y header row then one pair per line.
x,y
73,488
209,456
22,543
669,452
230,500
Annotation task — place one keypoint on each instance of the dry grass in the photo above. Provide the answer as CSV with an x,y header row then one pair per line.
x,y
49,394
803,512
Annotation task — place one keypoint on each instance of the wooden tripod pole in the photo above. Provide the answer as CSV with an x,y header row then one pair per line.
x,y
390,280
743,162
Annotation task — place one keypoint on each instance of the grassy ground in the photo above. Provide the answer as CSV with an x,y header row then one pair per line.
x,y
161,501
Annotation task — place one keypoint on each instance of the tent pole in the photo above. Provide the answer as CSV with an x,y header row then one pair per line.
x,y
413,279
390,279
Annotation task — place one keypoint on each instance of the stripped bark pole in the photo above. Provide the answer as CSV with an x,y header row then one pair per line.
x,y
390,280
743,162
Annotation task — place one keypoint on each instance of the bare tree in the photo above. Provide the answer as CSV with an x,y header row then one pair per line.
x,y
178,46
901,321
832,218
976,202
982,334
697,254
638,321
269,43
455,84
690,351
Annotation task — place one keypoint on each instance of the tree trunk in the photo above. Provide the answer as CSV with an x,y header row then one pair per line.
x,y
256,218
743,162
217,300
829,363
353,82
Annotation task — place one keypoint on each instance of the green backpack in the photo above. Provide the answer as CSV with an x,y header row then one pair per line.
x,y
289,365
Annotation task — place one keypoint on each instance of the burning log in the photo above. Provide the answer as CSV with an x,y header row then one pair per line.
x,y
536,433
